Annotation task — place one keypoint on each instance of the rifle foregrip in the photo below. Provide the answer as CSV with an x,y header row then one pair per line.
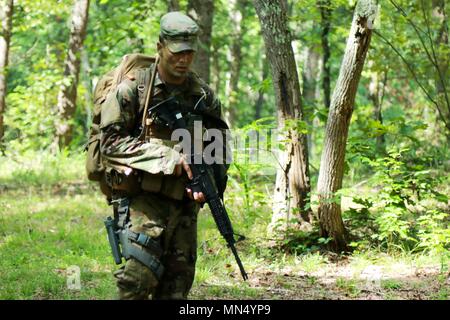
x,y
220,215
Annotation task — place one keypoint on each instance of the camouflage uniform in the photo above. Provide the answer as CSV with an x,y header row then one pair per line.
x,y
170,220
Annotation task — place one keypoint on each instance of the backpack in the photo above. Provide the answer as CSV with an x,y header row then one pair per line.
x,y
134,66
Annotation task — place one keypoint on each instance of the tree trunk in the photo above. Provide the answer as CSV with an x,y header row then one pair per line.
x,y
202,12
341,108
309,76
87,83
292,182
325,12
6,14
260,101
67,96
443,61
173,5
216,70
232,90
376,93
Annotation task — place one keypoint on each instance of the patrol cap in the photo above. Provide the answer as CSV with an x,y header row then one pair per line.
x,y
179,32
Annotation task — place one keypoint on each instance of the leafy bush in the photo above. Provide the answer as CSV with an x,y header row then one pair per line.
x,y
404,212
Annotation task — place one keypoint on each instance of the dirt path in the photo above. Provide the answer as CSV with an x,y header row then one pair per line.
x,y
335,281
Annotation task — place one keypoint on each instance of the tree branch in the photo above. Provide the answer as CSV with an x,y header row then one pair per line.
x,y
414,75
416,29
439,71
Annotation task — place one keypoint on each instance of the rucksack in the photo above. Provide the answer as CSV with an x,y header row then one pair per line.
x,y
134,66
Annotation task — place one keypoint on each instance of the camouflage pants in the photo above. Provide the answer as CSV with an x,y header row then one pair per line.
x,y
174,225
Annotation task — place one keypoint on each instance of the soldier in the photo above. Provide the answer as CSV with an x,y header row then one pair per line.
x,y
163,210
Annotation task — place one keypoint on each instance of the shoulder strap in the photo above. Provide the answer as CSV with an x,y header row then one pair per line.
x,y
148,98
142,76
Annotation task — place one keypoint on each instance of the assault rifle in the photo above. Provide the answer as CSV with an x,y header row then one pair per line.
x,y
169,112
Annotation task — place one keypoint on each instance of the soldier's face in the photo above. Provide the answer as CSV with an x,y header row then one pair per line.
x,y
175,65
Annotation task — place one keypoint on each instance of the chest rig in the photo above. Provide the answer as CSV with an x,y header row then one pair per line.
x,y
191,104
151,128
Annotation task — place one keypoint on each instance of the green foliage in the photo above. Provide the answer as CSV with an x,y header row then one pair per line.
x,y
34,73
30,119
252,169
433,232
349,286
405,216
391,284
42,170
304,242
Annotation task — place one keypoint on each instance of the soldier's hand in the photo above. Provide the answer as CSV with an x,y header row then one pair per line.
x,y
183,165
197,196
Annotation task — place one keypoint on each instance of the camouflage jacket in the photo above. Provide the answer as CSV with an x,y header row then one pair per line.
x,y
121,117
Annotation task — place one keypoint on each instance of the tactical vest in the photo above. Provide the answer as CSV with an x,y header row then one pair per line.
x,y
166,185
136,67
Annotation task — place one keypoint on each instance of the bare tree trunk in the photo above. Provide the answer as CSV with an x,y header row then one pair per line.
x,y
260,101
376,94
6,14
443,60
216,70
87,83
310,75
173,5
325,12
202,11
292,182
67,96
232,90
341,108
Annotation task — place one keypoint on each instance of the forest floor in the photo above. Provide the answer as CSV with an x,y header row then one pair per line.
x,y
52,220
339,280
